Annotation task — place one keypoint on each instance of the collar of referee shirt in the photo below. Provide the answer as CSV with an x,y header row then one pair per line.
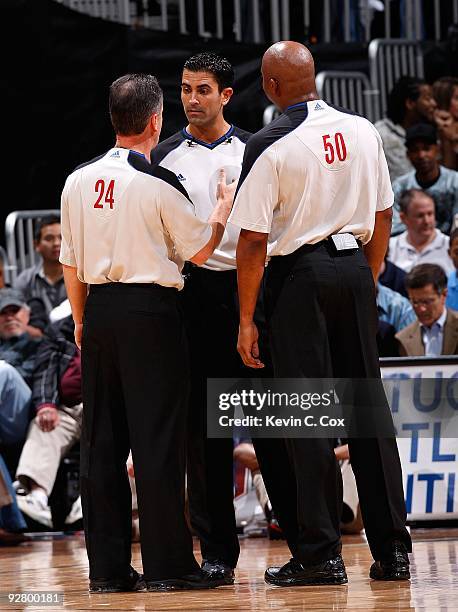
x,y
209,145
297,105
131,151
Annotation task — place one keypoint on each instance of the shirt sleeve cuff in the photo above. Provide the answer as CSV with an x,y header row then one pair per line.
x,y
68,260
190,251
382,207
248,225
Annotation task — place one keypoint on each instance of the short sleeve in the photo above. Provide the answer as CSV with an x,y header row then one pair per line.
x,y
188,233
67,253
385,196
257,195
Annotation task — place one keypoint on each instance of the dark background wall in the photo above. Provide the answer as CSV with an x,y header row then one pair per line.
x,y
57,66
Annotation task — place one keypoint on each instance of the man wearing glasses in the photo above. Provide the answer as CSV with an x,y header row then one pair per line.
x,y
436,330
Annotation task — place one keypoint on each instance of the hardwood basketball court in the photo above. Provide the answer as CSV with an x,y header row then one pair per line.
x,y
61,565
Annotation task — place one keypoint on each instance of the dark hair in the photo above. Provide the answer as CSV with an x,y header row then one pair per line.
x,y
133,99
405,88
443,91
426,274
216,65
453,236
43,222
408,195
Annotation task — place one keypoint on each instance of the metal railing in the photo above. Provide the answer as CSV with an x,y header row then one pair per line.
x,y
112,10
389,60
4,262
350,90
19,234
272,20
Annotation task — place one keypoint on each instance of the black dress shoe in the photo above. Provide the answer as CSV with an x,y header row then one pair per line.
x,y
133,582
219,571
296,574
393,567
190,582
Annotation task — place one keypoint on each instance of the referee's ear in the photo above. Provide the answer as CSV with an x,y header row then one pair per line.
x,y
226,95
155,123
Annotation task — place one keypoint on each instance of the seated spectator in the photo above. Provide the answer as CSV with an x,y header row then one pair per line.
x,y
436,330
446,117
392,277
57,425
409,102
15,403
12,522
38,316
351,516
439,182
45,280
452,281
421,242
17,359
17,347
393,308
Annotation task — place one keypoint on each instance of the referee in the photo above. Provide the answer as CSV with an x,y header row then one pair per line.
x,y
126,231
314,187
195,154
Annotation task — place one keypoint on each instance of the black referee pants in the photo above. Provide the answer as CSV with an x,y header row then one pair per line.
x,y
210,304
135,389
323,321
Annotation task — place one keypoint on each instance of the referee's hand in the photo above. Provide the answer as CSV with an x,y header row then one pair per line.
x,y
78,334
247,345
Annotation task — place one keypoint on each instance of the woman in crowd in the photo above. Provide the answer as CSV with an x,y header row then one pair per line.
x,y
445,91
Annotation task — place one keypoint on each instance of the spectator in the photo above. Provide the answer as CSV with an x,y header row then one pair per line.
x,y
351,515
245,454
11,520
392,277
452,281
56,428
17,358
439,182
421,242
38,317
446,117
393,308
17,347
436,330
15,398
409,102
45,280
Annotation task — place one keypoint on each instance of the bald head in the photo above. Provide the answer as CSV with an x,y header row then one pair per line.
x,y
288,74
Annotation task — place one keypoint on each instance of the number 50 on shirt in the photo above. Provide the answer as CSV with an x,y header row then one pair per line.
x,y
333,146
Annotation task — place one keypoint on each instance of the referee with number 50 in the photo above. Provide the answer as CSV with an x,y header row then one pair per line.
x,y
126,231
314,188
